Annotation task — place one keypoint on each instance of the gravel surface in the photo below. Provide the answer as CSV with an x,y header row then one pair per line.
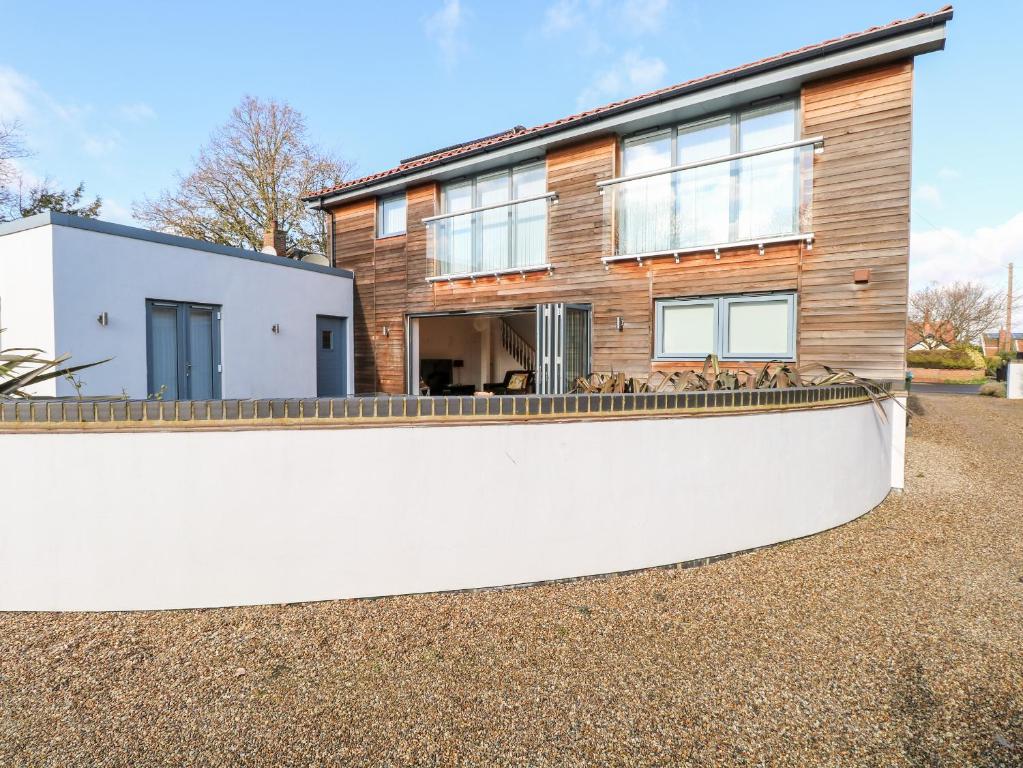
x,y
896,640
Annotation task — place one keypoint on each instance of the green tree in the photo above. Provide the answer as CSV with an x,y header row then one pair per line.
x,y
43,197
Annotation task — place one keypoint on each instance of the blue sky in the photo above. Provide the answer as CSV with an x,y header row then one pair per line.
x,y
122,94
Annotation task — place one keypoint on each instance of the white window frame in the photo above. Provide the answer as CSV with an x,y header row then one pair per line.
x,y
381,203
721,305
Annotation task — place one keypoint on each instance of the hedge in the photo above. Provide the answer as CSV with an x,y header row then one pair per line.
x,y
959,359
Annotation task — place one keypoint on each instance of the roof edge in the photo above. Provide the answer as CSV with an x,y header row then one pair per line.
x,y
742,71
58,219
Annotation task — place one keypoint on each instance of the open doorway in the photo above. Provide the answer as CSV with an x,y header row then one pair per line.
x,y
466,353
539,349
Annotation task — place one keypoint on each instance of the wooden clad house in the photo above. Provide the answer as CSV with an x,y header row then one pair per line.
x,y
761,213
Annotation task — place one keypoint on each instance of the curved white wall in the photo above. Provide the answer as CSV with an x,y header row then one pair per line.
x,y
110,521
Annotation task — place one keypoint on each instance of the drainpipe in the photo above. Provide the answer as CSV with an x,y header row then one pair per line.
x,y
330,233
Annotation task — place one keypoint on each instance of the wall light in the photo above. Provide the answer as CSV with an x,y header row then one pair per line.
x,y
387,331
275,328
103,319
620,323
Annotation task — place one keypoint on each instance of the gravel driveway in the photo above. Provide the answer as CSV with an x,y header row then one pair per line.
x,y
894,640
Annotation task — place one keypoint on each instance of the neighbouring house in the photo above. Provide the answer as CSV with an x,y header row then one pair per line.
x,y
182,318
929,337
995,342
761,213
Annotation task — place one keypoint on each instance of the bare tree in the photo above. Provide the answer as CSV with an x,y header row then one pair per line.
x,y
252,173
954,314
11,148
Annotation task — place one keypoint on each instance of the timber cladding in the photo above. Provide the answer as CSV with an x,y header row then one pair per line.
x,y
860,218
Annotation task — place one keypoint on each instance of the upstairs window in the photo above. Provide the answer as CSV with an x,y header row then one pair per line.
x,y
504,226
391,215
721,202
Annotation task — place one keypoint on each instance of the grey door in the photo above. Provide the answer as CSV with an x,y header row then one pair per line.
x,y
331,356
562,346
183,350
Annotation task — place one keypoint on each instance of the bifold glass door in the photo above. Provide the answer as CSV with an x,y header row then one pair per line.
x,y
563,346
183,350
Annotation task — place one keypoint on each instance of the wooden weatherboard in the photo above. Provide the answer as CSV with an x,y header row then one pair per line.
x,y
860,220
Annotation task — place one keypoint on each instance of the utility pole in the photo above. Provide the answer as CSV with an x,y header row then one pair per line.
x,y
1010,339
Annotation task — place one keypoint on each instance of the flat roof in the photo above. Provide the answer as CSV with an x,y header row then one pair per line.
x,y
53,218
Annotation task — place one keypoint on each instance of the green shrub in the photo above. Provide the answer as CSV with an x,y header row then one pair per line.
x,y
992,389
993,363
975,354
960,359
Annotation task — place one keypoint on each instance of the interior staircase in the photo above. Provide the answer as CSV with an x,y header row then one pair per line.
x,y
516,346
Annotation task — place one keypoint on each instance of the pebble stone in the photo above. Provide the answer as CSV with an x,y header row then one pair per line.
x,y
895,640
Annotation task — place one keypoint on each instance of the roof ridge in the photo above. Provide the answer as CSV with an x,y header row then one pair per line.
x,y
455,150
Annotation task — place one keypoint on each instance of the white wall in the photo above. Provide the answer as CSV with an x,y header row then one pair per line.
x,y
26,295
191,518
96,272
453,338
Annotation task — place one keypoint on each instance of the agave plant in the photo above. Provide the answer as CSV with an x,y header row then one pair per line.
x,y
773,375
22,366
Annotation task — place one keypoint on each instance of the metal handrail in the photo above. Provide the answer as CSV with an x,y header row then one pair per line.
x,y
817,141
546,196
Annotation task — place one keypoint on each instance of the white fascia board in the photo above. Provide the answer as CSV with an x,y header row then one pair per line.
x,y
742,89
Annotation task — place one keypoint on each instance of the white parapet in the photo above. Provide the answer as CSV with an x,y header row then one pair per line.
x,y
897,407
1014,382
114,520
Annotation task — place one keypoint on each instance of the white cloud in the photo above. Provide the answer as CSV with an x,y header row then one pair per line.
x,y
950,174
116,212
928,193
137,112
631,75
444,27
100,145
644,16
562,16
15,95
946,255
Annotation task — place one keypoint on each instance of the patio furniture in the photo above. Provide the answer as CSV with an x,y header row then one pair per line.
x,y
515,383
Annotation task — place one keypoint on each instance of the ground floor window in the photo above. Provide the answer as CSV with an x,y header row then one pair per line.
x,y
183,350
746,327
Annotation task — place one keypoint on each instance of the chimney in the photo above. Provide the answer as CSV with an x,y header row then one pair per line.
x,y
274,241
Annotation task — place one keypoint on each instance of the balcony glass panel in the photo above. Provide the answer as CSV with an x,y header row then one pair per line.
x,y
768,195
529,220
703,194
768,204
510,236
504,226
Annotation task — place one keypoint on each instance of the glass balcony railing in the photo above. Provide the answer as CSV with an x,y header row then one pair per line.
x,y
748,197
489,240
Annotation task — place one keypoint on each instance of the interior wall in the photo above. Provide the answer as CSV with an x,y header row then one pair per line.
x,y
464,338
452,338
